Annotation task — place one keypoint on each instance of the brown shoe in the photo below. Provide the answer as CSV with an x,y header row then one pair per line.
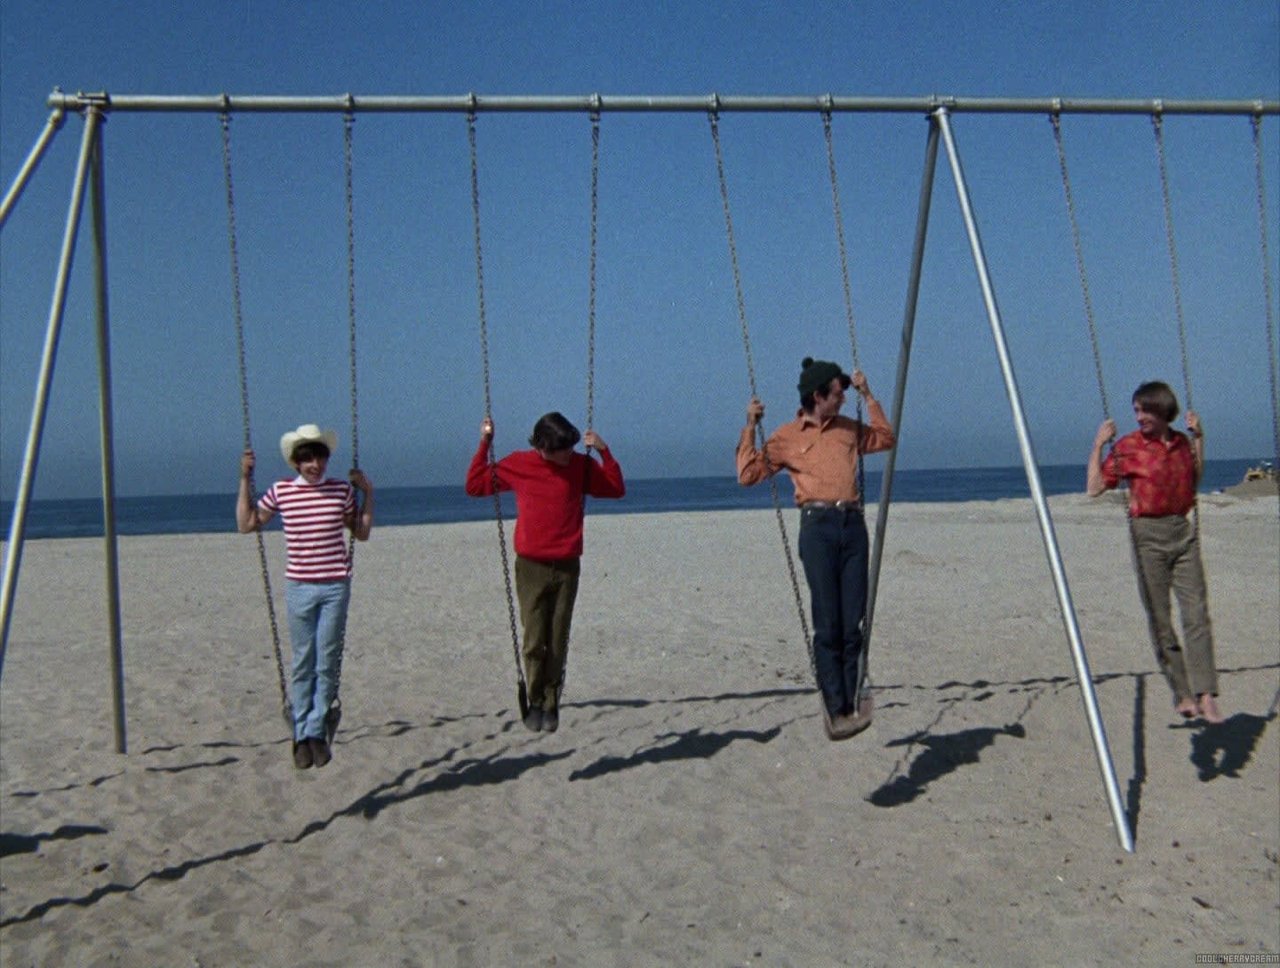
x,y
320,754
302,754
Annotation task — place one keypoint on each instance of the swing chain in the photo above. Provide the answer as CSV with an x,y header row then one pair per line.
x,y
848,291
1157,124
348,125
591,272
488,400
840,238
349,120
713,118
1267,291
238,314
863,679
1056,121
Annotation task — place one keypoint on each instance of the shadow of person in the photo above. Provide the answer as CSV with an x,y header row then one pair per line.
x,y
1224,749
692,745
943,755
30,843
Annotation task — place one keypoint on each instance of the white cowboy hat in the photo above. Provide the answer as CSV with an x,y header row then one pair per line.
x,y
306,434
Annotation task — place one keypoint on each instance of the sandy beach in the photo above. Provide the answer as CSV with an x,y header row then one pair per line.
x,y
689,811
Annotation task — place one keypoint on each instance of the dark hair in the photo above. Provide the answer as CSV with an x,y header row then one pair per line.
x,y
307,451
815,381
810,400
1157,398
553,432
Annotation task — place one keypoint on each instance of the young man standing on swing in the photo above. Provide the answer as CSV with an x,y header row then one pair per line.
x,y
1162,468
315,510
820,450
551,483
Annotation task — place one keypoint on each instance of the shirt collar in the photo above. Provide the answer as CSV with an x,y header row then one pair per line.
x,y
807,420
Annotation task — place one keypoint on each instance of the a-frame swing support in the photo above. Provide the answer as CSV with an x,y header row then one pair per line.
x,y
89,172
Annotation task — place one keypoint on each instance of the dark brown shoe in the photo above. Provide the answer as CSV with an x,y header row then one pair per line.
x,y
320,754
302,754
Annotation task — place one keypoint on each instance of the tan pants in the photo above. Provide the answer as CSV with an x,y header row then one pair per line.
x,y
546,590
1167,558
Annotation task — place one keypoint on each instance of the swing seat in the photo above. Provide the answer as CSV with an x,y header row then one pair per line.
x,y
846,727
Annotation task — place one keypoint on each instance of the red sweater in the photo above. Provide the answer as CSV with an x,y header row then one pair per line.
x,y
548,496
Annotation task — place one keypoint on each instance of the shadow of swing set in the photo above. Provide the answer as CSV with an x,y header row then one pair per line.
x,y
93,108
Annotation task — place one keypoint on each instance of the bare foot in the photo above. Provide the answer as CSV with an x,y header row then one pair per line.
x,y
1186,708
1209,709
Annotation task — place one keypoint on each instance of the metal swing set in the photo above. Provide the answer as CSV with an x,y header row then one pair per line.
x,y
938,111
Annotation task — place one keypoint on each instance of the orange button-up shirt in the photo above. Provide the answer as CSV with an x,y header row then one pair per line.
x,y
822,459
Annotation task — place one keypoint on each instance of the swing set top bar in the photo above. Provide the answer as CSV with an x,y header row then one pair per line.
x,y
348,103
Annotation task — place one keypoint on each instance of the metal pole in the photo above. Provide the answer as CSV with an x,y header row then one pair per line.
x,y
904,361
1087,693
29,166
18,523
701,104
97,196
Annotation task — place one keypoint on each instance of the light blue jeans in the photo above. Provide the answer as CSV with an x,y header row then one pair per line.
x,y
317,623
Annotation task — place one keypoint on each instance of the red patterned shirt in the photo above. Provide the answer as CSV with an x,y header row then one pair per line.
x,y
1161,473
313,515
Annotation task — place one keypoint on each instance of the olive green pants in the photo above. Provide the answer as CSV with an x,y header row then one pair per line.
x,y
1167,559
546,590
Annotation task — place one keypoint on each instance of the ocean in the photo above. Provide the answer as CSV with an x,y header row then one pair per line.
x,y
204,513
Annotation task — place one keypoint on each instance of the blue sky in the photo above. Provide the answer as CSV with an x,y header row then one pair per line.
x,y
671,382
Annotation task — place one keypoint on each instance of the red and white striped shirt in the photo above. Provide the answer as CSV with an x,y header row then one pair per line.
x,y
313,516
